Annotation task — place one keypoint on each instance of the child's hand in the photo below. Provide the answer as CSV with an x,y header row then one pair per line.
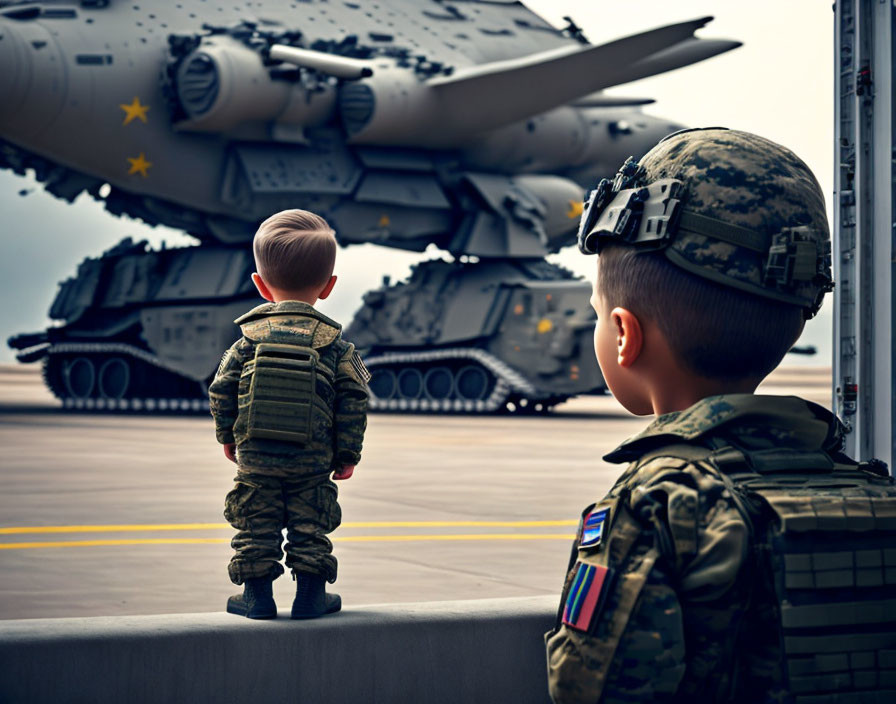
x,y
230,451
344,472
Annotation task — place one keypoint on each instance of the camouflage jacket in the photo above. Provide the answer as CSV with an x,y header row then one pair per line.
x,y
663,600
337,433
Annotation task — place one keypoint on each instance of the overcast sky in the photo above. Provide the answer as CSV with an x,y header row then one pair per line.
x,y
779,85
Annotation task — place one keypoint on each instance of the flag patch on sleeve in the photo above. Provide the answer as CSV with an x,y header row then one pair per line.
x,y
359,368
584,596
593,528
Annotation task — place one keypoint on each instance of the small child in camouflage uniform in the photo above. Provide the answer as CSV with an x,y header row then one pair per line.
x,y
289,402
739,557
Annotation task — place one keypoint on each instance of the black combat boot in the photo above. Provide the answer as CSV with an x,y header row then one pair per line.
x,y
312,599
256,601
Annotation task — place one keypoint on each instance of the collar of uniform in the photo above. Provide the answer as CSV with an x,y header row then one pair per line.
x,y
267,310
808,425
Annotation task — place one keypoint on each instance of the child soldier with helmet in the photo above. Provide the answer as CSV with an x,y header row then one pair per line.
x,y
289,402
741,556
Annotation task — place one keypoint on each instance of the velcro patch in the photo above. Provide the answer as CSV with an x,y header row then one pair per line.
x,y
585,596
593,528
359,367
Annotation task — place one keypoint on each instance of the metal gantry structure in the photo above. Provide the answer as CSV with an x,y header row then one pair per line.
x,y
864,379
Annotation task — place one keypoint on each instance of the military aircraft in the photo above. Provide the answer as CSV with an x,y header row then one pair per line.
x,y
471,125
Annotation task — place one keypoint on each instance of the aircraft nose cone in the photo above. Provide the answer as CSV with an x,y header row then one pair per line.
x,y
32,78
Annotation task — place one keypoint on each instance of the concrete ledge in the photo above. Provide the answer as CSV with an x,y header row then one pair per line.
x,y
487,650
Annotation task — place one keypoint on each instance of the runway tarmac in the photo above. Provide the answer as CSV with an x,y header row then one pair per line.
x,y
121,514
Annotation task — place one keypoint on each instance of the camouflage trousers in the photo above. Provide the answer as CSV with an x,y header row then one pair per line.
x,y
260,507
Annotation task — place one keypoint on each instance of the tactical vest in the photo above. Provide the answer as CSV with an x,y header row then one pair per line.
x,y
282,392
824,533
287,389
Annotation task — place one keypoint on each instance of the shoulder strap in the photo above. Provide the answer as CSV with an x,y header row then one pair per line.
x,y
324,335
680,451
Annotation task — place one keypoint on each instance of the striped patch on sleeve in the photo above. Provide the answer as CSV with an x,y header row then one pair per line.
x,y
359,368
224,360
584,596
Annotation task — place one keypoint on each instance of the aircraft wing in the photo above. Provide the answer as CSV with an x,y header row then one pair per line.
x,y
688,52
449,110
502,92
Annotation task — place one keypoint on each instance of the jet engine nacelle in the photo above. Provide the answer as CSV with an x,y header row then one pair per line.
x,y
223,85
393,107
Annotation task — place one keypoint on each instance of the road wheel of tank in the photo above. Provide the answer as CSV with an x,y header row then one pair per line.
x,y
527,407
114,378
438,383
383,383
79,376
410,383
471,383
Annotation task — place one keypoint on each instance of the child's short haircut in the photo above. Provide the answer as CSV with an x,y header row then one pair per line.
x,y
715,331
295,250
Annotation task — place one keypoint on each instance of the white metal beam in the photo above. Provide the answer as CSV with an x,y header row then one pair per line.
x,y
864,391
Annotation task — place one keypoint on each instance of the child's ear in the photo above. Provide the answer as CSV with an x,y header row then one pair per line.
x,y
262,287
325,291
629,336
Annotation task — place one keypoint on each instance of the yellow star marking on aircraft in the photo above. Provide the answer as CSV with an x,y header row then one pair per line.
x,y
134,111
139,165
576,208
384,221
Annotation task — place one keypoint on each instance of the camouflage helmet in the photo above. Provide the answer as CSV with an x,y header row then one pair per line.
x,y
729,206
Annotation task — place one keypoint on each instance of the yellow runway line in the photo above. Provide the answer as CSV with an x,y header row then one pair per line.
x,y
465,536
100,543
460,524
346,539
142,527
15,530
112,528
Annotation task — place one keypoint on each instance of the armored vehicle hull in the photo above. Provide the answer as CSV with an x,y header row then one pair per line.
x,y
488,336
142,330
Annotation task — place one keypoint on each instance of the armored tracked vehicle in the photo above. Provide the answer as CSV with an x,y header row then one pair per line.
x,y
513,336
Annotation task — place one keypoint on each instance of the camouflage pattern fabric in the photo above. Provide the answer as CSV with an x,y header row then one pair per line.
x,y
735,179
745,180
340,418
663,600
260,507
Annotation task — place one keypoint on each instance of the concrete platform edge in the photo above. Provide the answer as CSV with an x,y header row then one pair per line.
x,y
488,650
